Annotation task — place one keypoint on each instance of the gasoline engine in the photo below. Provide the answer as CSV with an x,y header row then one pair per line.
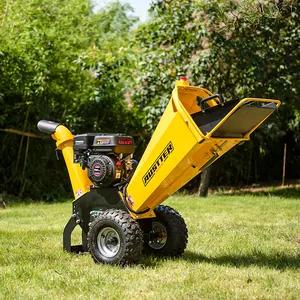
x,y
108,157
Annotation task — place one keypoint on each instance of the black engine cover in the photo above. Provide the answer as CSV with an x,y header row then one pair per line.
x,y
104,143
103,170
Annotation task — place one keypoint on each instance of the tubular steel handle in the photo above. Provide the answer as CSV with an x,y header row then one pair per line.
x,y
218,96
47,126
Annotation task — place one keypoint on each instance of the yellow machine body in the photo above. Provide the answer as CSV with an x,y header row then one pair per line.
x,y
179,150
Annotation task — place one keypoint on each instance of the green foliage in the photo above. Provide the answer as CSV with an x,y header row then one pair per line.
x,y
58,61
61,61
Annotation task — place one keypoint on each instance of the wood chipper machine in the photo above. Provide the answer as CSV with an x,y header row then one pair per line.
x,y
118,200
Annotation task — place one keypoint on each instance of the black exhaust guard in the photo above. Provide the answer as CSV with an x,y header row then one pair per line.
x,y
47,126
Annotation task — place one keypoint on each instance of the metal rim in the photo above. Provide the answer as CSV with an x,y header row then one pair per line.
x,y
108,241
158,235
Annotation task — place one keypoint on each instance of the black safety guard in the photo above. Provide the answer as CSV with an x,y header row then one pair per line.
x,y
243,120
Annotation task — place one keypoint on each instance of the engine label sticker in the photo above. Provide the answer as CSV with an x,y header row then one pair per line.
x,y
158,162
103,141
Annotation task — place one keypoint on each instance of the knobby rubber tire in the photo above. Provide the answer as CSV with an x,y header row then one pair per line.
x,y
130,234
177,233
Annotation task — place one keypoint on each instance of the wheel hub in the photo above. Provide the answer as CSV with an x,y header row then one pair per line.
x,y
158,235
108,241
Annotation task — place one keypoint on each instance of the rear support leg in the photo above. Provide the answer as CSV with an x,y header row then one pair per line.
x,y
69,228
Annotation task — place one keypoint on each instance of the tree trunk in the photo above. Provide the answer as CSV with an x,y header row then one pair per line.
x,y
204,182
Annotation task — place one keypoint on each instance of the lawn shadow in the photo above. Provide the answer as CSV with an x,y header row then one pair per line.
x,y
288,192
276,261
152,261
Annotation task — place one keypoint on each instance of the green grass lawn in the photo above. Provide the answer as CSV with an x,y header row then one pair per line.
x,y
240,247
